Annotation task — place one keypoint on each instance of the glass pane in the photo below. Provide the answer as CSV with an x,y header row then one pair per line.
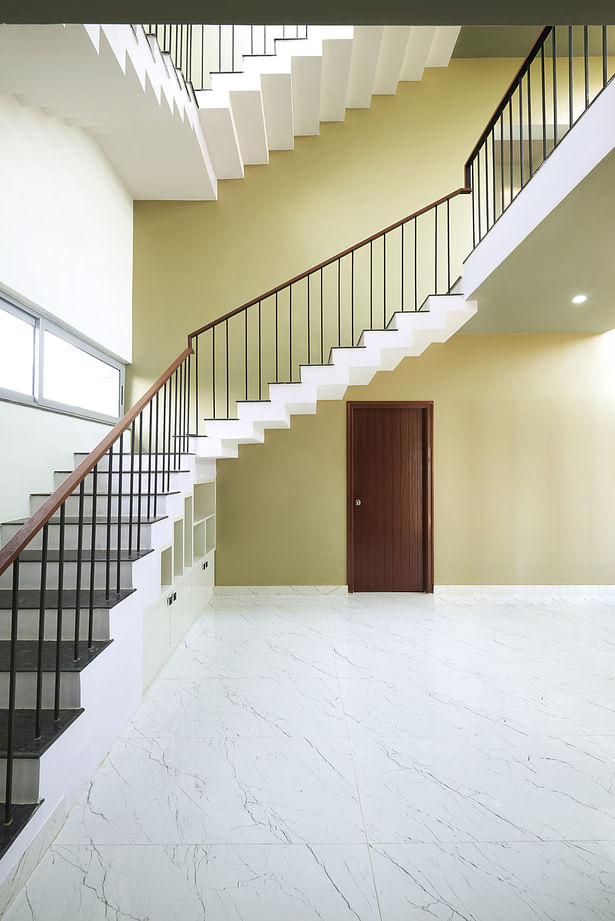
x,y
16,353
74,377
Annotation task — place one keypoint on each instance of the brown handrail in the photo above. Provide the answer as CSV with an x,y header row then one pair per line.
x,y
321,265
516,80
13,547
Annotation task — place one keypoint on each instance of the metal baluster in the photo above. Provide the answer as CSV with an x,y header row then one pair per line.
x,y
59,612
521,132
544,102
219,48
352,298
435,240
416,266
140,493
108,553
164,439
290,331
478,198
494,215
339,302
78,577
213,371
570,99
260,353
486,185
402,267
168,447
245,343
149,466
277,376
156,449
175,421
384,281
604,57
92,556
132,489
586,63
473,208
202,56
41,632
554,89
227,371
10,745
321,320
510,149
187,431
371,286
308,318
196,386
119,515
448,241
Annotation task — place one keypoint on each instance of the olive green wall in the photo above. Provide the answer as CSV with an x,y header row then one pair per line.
x,y
524,441
194,261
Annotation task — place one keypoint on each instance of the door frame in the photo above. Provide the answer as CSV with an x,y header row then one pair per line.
x,y
428,553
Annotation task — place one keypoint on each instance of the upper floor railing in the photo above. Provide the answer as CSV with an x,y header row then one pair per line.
x,y
200,50
566,69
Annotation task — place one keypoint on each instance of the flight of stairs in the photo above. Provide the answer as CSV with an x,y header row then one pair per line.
x,y
166,141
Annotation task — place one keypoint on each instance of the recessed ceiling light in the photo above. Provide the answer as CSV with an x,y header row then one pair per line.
x,y
579,298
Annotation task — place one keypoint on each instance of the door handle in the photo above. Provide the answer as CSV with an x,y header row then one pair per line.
x,y
357,502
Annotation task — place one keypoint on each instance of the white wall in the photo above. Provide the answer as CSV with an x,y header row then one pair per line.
x,y
65,248
34,443
66,228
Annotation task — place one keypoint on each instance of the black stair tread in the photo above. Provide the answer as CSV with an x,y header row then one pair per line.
x,y
29,598
70,556
26,655
87,520
24,727
20,816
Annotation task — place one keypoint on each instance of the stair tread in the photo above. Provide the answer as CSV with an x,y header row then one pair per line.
x,y
125,492
29,598
26,655
70,556
25,745
103,473
21,816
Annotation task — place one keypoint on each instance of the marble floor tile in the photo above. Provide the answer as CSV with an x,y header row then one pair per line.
x,y
197,883
496,882
246,791
266,708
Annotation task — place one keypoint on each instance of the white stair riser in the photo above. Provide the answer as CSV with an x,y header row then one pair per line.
x,y
71,534
28,624
30,575
147,508
149,481
25,779
25,690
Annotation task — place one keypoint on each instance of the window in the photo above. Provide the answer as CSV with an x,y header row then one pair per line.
x,y
42,364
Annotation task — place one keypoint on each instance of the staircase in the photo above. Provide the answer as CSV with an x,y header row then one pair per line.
x,y
168,140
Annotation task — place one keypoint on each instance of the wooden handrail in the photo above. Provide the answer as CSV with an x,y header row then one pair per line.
x,y
533,52
20,540
321,265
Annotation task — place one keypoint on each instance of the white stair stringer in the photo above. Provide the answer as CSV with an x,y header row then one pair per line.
x,y
407,334
114,83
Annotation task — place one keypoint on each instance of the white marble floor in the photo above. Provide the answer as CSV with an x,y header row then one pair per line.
x,y
358,758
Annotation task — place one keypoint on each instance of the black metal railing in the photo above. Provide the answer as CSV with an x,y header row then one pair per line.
x,y
268,339
79,546
199,50
567,68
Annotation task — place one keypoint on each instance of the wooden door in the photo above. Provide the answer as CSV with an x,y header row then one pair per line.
x,y
390,541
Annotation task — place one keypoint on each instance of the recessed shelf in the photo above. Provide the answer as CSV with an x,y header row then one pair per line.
x,y
166,567
210,534
198,533
178,547
188,531
204,500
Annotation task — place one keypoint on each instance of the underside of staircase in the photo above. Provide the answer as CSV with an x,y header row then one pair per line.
x,y
167,140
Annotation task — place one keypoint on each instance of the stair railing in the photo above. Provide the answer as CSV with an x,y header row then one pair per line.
x,y
269,338
103,508
566,69
199,50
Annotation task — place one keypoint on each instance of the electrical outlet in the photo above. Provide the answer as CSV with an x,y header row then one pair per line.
x,y
205,564
169,600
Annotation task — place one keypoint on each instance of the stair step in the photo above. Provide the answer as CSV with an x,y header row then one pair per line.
x,y
24,724
20,816
70,556
29,599
26,655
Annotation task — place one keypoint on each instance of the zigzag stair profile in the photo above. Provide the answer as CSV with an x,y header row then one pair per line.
x,y
143,111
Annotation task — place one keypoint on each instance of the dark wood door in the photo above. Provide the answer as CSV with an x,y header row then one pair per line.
x,y
390,497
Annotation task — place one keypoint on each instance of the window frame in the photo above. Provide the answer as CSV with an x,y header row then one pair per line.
x,y
42,324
